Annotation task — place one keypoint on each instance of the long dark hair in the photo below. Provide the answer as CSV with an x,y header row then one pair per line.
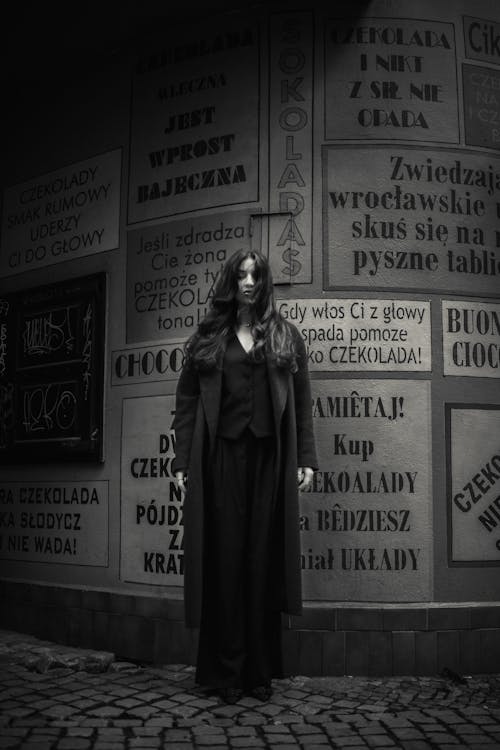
x,y
272,334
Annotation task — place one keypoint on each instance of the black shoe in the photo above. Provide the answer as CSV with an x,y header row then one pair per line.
x,y
231,694
262,692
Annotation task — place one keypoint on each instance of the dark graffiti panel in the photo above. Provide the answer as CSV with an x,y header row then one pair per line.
x,y
51,371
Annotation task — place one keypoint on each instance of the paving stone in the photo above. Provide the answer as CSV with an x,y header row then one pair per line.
x,y
128,702
298,694
322,718
241,731
58,711
163,705
345,704
481,739
207,729
143,712
372,707
307,709
335,728
321,699
147,731
228,711
252,720
434,727
106,712
307,729
161,721
313,739
185,711
182,697
279,739
9,742
177,735
468,729
408,733
372,729
425,721
79,732
188,723
343,715
268,709
443,739
43,735
19,713
377,740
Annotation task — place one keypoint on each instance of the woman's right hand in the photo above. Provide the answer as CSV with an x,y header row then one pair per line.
x,y
181,479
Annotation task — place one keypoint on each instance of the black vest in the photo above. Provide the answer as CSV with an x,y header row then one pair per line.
x,y
245,396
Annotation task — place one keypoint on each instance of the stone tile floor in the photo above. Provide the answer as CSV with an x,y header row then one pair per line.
x,y
55,697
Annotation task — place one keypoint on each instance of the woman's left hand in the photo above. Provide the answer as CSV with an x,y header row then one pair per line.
x,y
304,477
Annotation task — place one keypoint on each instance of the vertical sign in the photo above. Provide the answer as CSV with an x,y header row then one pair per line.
x,y
195,122
366,524
290,147
473,441
151,505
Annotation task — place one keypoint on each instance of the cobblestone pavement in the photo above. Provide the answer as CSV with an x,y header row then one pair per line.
x,y
73,699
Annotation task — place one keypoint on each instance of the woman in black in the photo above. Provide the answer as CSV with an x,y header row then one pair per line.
x,y
244,446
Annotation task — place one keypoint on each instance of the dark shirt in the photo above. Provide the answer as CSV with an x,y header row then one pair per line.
x,y
245,396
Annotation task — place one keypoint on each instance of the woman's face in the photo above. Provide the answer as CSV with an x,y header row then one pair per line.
x,y
247,282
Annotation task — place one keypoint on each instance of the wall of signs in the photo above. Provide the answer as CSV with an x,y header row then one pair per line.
x,y
51,380
359,150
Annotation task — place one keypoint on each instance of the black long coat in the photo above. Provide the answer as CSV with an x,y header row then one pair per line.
x,y
195,424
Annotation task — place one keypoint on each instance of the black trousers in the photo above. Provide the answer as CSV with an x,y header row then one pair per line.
x,y
240,631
